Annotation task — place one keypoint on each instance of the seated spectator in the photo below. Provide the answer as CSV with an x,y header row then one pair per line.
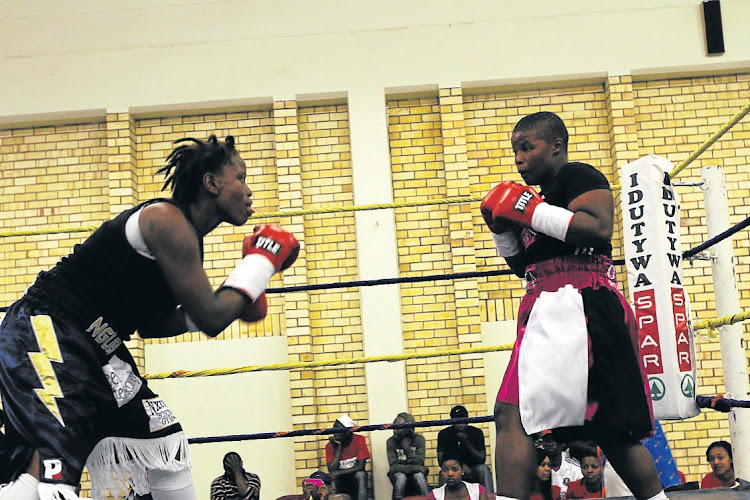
x,y
564,469
454,486
590,486
346,457
543,489
406,456
466,442
719,456
314,487
235,483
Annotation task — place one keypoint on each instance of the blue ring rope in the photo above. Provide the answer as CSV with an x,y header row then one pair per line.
x,y
714,402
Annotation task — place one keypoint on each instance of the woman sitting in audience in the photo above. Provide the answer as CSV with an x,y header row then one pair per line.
x,y
452,470
590,486
543,488
719,456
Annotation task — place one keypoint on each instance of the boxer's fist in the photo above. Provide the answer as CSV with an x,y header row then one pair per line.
x,y
515,204
278,246
256,310
522,206
489,202
267,251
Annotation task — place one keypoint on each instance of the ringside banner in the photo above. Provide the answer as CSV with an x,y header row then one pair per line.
x,y
653,257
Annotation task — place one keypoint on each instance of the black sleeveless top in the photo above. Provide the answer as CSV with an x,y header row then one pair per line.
x,y
105,277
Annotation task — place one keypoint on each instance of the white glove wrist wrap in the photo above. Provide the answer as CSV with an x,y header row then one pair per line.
x,y
507,243
251,276
551,220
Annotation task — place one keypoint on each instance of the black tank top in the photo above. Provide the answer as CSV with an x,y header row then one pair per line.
x,y
105,277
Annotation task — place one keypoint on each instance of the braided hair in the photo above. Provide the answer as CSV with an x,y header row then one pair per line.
x,y
191,161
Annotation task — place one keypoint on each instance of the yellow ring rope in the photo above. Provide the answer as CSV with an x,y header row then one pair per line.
x,y
285,213
377,206
711,140
707,144
710,324
315,364
713,324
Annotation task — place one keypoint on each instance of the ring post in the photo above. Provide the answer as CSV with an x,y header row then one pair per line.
x,y
734,360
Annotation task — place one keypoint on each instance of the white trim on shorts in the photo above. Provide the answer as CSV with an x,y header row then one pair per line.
x,y
553,362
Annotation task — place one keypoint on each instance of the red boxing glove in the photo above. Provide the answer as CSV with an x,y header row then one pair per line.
x,y
277,245
268,250
515,204
489,202
255,311
523,206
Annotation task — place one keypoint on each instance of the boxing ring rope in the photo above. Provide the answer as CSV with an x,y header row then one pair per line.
x,y
301,365
711,140
717,403
334,430
719,237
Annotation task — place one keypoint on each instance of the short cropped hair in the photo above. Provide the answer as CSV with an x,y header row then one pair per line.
x,y
549,125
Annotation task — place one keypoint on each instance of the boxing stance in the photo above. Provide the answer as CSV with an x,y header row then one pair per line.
x,y
71,390
574,366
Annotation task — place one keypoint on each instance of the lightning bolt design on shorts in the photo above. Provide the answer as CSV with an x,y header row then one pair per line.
x,y
49,350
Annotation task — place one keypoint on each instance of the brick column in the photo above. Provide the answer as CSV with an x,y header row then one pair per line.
x,y
297,304
623,140
461,238
123,185
123,194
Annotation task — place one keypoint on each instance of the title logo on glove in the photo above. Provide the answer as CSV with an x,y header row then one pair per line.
x,y
522,201
268,245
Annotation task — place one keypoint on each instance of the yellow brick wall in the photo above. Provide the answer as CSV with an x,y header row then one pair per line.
x,y
330,246
428,161
52,177
452,144
417,165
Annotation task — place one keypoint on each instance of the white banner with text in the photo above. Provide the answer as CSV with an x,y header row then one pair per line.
x,y
653,257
